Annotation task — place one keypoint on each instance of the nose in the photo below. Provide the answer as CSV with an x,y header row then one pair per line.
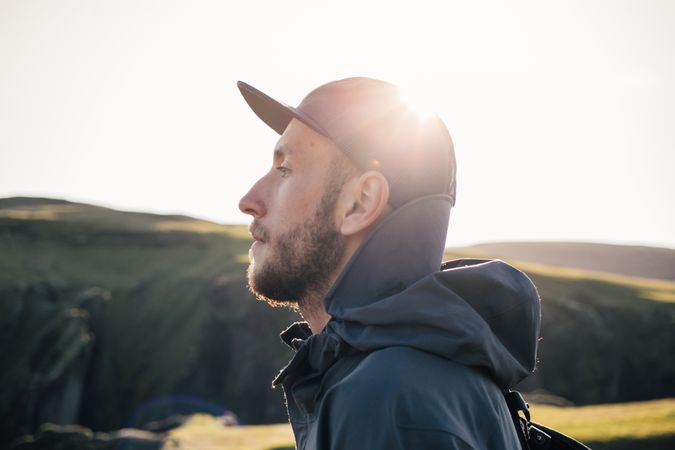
x,y
252,203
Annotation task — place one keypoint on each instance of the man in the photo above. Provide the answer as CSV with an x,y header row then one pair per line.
x,y
350,225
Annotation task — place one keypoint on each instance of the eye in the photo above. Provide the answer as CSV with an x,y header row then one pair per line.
x,y
284,171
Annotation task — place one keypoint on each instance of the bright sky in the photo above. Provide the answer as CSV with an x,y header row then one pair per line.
x,y
562,113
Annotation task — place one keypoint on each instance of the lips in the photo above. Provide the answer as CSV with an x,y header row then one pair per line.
x,y
257,232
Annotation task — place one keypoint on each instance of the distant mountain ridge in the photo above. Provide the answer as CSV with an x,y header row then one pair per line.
x,y
634,261
9,202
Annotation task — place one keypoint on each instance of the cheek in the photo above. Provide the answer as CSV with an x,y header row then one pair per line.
x,y
296,198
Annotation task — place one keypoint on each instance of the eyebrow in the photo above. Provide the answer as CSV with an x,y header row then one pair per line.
x,y
281,152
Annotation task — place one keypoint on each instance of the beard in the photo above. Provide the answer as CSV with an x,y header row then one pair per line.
x,y
300,261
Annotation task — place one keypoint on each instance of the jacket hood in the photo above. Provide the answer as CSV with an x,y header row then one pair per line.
x,y
483,314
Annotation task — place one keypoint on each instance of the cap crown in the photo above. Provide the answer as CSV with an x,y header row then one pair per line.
x,y
368,121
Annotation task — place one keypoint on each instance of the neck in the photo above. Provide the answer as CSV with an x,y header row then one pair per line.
x,y
314,312
312,307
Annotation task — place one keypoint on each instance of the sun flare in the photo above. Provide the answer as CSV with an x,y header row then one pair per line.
x,y
418,101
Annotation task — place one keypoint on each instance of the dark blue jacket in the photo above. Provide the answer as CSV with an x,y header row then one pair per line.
x,y
413,357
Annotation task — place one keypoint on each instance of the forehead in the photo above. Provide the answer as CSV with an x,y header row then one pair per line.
x,y
300,142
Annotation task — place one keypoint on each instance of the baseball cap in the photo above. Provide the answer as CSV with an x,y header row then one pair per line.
x,y
369,121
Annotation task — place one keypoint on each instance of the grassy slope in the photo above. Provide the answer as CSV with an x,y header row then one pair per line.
x,y
634,261
62,240
623,288
647,425
603,335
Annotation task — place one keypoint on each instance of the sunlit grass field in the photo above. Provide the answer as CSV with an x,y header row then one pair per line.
x,y
645,425
203,432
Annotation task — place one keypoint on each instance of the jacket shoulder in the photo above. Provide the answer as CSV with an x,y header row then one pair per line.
x,y
423,373
421,396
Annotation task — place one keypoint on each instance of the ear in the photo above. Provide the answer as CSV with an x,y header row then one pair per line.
x,y
365,201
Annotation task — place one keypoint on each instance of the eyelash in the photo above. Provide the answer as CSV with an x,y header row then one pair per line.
x,y
284,171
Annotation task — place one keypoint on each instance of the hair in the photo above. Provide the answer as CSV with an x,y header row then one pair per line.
x,y
342,169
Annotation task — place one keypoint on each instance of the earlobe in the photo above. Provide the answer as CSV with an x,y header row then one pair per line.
x,y
369,198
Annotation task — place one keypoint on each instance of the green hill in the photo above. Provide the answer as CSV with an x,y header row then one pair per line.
x,y
114,319
633,261
603,336
105,311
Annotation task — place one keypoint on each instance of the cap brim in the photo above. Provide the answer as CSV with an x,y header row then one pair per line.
x,y
275,114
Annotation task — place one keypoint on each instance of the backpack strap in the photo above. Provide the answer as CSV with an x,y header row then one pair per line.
x,y
533,436
517,405
554,439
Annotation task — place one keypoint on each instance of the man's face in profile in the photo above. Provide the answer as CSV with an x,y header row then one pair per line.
x,y
297,244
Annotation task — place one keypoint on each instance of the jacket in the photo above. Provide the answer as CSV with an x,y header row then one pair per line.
x,y
413,357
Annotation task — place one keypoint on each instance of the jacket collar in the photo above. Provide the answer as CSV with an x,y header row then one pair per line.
x,y
295,335
407,246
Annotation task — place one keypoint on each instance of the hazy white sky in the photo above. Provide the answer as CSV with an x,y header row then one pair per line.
x,y
562,113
